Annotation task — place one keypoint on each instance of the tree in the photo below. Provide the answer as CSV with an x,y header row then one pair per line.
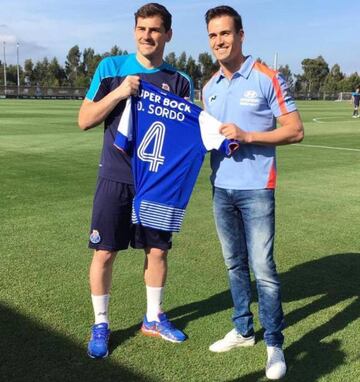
x,y
72,64
350,83
288,76
193,70
315,72
115,51
11,74
333,80
28,72
41,72
207,67
260,61
171,59
89,63
181,62
57,75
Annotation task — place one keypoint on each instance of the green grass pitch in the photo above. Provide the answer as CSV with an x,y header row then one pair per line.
x,y
48,174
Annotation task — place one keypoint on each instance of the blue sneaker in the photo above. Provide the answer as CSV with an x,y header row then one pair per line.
x,y
163,328
98,344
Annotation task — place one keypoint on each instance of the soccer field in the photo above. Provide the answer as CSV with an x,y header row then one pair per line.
x,y
49,171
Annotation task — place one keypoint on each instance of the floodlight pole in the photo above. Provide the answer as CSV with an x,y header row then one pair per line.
x,y
17,69
5,83
275,61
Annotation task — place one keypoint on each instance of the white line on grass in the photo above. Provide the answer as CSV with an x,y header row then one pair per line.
x,y
319,120
327,147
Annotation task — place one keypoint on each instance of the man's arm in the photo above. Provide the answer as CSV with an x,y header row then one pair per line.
x,y
93,113
291,130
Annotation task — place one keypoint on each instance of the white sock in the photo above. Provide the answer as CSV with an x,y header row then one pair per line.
x,y
100,305
154,297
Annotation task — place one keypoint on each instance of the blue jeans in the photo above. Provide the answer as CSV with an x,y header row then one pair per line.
x,y
245,222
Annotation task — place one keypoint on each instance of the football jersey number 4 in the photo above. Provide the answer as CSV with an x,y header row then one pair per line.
x,y
154,136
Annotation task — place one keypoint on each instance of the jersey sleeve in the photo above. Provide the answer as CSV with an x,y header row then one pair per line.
x,y
212,139
188,88
98,89
279,98
123,138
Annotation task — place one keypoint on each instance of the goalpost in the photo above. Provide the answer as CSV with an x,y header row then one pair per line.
x,y
344,96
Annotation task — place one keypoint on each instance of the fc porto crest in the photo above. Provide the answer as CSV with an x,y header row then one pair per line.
x,y
165,86
95,237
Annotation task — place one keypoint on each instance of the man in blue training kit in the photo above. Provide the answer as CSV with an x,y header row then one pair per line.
x,y
116,79
355,96
250,98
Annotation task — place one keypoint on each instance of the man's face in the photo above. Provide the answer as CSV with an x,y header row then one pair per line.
x,y
225,42
151,37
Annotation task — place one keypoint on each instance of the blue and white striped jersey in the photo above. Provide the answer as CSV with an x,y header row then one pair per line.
x,y
167,138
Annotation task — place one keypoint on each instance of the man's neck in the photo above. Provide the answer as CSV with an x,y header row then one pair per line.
x,y
149,63
229,68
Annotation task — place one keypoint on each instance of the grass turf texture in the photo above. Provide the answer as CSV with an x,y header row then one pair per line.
x,y
48,178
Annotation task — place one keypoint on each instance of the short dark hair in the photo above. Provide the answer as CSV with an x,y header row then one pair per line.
x,y
224,10
154,9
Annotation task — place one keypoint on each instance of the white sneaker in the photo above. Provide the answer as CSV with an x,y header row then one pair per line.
x,y
232,340
275,366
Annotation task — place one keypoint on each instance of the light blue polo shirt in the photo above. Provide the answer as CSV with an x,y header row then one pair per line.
x,y
252,99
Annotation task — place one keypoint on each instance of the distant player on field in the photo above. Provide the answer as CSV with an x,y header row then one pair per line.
x,y
116,79
356,101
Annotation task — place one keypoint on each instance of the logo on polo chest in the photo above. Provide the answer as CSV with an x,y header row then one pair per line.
x,y
212,98
249,98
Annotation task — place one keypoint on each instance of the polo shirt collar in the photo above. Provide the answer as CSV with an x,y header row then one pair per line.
x,y
244,70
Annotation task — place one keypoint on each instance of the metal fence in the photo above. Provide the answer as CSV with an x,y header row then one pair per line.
x,y
37,92
321,96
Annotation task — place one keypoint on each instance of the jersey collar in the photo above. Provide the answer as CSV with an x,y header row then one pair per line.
x,y
244,70
163,65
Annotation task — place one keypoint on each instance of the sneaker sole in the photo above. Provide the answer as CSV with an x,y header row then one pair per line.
x,y
94,357
153,333
275,377
242,345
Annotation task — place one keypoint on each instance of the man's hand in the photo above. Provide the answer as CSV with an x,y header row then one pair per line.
x,y
128,87
290,130
231,131
93,113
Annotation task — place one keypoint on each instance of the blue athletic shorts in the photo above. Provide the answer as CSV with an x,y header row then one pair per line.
x,y
111,228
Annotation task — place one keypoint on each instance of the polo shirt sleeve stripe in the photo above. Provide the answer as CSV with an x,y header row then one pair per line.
x,y
272,176
272,75
279,96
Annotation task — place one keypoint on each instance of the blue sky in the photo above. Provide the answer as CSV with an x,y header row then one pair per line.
x,y
293,28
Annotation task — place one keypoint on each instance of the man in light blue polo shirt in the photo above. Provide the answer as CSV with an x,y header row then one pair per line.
x,y
249,97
